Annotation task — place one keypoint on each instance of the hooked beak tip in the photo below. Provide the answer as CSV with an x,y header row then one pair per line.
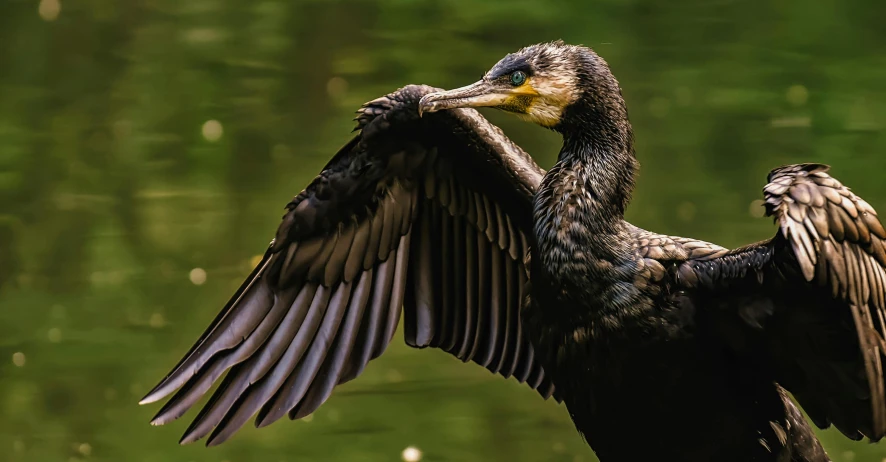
x,y
425,104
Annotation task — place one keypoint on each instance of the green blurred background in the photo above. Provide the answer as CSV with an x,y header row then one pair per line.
x,y
147,148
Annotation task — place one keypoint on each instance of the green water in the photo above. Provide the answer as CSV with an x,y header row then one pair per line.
x,y
144,144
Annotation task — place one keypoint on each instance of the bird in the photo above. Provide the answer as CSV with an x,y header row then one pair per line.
x,y
659,346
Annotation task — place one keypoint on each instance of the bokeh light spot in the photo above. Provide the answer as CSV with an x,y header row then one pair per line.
x,y
212,130
394,376
756,208
157,320
411,454
797,95
336,87
49,9
18,358
686,211
197,276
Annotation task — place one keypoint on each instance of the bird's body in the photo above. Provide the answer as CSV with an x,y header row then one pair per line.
x,y
619,336
651,384
622,339
661,347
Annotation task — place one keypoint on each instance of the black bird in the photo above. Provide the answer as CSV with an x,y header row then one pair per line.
x,y
661,347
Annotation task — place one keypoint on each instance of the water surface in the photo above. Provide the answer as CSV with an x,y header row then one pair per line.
x,y
147,149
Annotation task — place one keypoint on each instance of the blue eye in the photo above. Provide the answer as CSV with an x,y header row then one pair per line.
x,y
518,78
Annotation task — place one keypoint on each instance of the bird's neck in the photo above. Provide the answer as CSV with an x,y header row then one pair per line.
x,y
579,210
598,152
603,166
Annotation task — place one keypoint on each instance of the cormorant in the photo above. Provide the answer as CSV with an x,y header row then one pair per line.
x,y
661,347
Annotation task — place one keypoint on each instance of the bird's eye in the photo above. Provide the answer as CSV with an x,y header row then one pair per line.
x,y
518,78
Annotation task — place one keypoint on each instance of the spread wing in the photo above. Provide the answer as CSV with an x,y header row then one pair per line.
x,y
425,215
807,307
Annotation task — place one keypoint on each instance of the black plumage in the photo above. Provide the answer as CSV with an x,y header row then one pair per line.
x,y
394,221
676,349
661,347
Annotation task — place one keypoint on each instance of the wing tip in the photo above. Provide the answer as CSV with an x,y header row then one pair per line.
x,y
218,436
156,394
160,419
264,418
187,438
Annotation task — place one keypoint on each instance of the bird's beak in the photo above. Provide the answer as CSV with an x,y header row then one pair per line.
x,y
479,94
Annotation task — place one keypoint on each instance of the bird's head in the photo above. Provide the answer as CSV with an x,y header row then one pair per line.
x,y
540,83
